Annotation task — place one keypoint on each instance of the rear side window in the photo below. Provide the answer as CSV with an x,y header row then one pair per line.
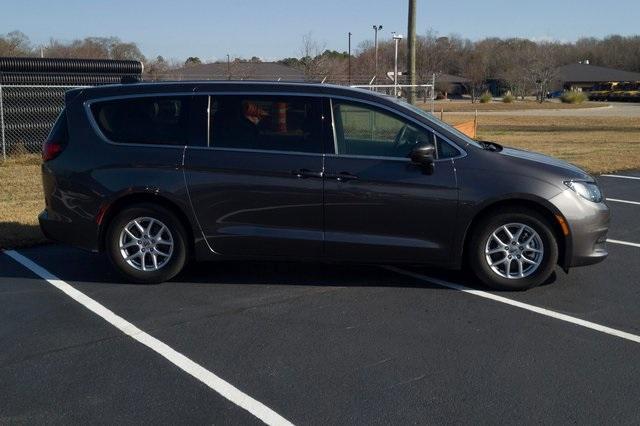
x,y
161,120
273,123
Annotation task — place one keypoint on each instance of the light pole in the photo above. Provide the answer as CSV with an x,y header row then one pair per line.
x,y
411,50
396,38
376,28
349,57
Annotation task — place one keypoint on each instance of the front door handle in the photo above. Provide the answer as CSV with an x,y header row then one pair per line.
x,y
306,173
343,177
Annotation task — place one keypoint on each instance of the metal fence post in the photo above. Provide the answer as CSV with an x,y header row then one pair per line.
x,y
4,147
433,93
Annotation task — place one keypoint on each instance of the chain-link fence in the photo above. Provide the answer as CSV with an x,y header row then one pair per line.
x,y
27,114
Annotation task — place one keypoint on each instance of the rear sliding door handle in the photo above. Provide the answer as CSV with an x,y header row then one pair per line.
x,y
306,173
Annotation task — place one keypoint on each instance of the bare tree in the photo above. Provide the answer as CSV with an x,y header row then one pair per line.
x,y
127,51
514,57
542,69
15,43
475,69
310,56
94,48
157,68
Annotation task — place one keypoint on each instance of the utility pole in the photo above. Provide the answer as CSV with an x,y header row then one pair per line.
x,y
349,57
396,38
411,45
376,28
228,67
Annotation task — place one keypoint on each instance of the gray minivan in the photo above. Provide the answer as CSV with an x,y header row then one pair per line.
x,y
154,174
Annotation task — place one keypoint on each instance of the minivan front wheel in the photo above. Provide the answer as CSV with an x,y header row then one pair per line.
x,y
146,243
513,250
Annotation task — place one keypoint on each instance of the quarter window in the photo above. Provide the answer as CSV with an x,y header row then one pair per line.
x,y
274,123
445,150
144,120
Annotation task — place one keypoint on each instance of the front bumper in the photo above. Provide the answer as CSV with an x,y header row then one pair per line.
x,y
588,226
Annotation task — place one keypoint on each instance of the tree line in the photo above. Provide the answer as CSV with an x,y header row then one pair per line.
x,y
523,66
16,43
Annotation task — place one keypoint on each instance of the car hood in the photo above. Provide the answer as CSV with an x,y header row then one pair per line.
x,y
561,167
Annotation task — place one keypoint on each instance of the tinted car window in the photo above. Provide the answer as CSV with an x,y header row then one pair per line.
x,y
445,150
368,131
266,123
145,120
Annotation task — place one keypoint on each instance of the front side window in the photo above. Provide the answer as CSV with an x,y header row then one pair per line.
x,y
368,131
145,120
273,123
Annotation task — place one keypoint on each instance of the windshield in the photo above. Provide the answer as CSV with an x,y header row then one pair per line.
x,y
432,118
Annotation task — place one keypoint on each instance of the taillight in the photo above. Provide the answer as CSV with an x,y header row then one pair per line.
x,y
57,140
51,149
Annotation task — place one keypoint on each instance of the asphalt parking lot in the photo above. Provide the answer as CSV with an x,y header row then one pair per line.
x,y
229,343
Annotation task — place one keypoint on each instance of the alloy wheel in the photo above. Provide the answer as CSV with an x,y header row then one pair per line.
x,y
514,251
146,244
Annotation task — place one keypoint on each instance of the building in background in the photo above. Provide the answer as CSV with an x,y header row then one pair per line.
x,y
271,71
584,77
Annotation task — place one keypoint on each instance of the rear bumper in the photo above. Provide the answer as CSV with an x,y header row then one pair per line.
x,y
588,225
57,229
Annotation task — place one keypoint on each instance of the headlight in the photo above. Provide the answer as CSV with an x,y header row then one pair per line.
x,y
587,190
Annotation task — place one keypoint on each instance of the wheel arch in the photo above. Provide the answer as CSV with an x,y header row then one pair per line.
x,y
551,214
109,211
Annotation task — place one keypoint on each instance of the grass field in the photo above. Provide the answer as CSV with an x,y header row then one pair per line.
x,y
20,202
598,144
466,106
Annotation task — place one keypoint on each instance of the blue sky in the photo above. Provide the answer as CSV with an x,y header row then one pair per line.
x,y
274,28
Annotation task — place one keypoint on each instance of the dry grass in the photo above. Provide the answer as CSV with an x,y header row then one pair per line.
x,y
21,201
597,144
467,106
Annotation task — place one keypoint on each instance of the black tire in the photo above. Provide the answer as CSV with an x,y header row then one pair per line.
x,y
173,264
484,230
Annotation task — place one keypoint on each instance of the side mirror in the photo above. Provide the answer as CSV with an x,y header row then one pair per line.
x,y
423,155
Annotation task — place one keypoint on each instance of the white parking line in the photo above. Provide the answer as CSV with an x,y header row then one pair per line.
x,y
214,382
622,177
624,243
542,311
615,200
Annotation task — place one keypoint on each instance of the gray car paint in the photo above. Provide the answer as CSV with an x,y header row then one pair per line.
x,y
93,178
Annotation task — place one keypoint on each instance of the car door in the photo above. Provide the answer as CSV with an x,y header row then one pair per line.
x,y
256,183
378,205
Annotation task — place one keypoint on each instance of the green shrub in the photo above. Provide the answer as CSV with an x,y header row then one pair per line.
x,y
573,97
485,98
508,98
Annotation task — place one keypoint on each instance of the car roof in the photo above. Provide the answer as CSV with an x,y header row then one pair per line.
x,y
227,85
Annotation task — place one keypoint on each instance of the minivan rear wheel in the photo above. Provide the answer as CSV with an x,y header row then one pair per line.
x,y
515,249
147,244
